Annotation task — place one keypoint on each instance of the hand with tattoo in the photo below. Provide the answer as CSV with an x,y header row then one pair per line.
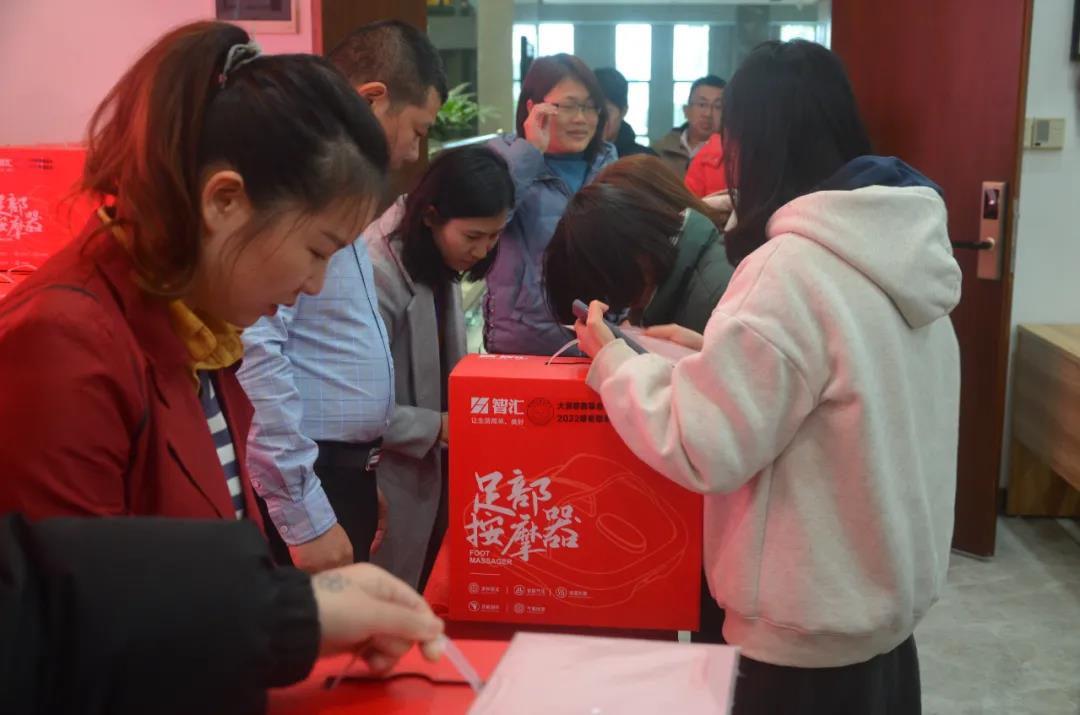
x,y
363,608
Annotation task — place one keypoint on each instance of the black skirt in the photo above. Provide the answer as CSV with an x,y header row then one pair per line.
x,y
887,684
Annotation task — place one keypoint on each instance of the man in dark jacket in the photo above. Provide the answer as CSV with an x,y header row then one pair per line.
x,y
136,615
617,131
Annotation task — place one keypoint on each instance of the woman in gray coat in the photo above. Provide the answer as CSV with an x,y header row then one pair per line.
x,y
420,248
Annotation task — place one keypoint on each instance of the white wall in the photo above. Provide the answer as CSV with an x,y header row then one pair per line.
x,y
1048,236
58,58
1046,286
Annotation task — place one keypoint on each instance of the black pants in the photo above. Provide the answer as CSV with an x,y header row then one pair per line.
x,y
885,685
351,489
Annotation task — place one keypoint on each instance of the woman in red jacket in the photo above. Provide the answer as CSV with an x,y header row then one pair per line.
x,y
227,179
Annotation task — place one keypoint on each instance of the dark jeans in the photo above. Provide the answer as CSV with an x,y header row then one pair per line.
x,y
351,488
887,684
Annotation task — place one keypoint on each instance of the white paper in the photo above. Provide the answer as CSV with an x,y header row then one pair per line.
x,y
581,675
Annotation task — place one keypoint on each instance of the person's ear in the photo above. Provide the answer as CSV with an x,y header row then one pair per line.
x,y
430,217
373,91
529,105
377,95
224,202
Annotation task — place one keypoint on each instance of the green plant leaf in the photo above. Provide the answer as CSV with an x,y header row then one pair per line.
x,y
460,114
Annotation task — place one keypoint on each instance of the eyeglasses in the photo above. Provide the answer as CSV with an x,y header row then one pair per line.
x,y
572,109
707,107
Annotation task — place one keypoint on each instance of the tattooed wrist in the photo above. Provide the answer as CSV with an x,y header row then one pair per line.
x,y
333,582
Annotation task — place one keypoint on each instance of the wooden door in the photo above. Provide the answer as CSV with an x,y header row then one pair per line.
x,y
941,84
337,18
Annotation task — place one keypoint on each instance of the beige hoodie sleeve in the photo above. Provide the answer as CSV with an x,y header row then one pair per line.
x,y
713,420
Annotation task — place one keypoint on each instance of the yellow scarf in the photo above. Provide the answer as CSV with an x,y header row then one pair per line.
x,y
212,344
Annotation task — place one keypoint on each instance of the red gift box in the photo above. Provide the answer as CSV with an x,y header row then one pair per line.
x,y
553,520
36,220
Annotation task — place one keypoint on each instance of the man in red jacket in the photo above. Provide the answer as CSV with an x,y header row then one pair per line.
x,y
705,176
679,146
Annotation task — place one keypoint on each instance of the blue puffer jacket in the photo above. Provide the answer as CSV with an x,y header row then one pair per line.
x,y
517,319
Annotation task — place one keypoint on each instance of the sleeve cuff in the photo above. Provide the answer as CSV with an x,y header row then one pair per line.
x,y
298,522
432,423
413,431
607,361
293,628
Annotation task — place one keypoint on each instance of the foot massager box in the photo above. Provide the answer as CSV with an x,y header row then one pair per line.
x,y
553,520
35,219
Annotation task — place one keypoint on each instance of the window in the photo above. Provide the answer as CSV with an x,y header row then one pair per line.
x,y
555,37
638,114
633,57
690,61
529,33
547,38
633,51
798,31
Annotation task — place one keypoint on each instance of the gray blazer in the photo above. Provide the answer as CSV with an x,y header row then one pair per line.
x,y
411,467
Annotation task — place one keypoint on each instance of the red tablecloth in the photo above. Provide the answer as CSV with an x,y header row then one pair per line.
x,y
441,692
8,281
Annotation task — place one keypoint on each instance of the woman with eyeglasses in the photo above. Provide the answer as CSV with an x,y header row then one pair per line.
x,y
558,148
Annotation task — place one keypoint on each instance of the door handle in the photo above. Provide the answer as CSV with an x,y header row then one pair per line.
x,y
987,244
992,214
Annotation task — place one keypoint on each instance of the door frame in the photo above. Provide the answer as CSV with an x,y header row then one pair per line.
x,y
980,539
872,42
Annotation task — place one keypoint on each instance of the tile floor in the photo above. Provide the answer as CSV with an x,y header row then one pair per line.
x,y
1005,636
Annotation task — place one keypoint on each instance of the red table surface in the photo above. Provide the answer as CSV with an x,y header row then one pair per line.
x,y
398,695
8,281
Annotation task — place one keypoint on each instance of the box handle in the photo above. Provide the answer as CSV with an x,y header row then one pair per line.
x,y
560,351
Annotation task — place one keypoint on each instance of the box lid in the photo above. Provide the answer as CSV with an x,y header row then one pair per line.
x,y
523,367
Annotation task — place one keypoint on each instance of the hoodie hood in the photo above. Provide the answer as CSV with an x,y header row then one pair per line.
x,y
888,222
877,171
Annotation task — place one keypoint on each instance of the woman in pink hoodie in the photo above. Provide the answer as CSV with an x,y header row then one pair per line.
x,y
819,413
